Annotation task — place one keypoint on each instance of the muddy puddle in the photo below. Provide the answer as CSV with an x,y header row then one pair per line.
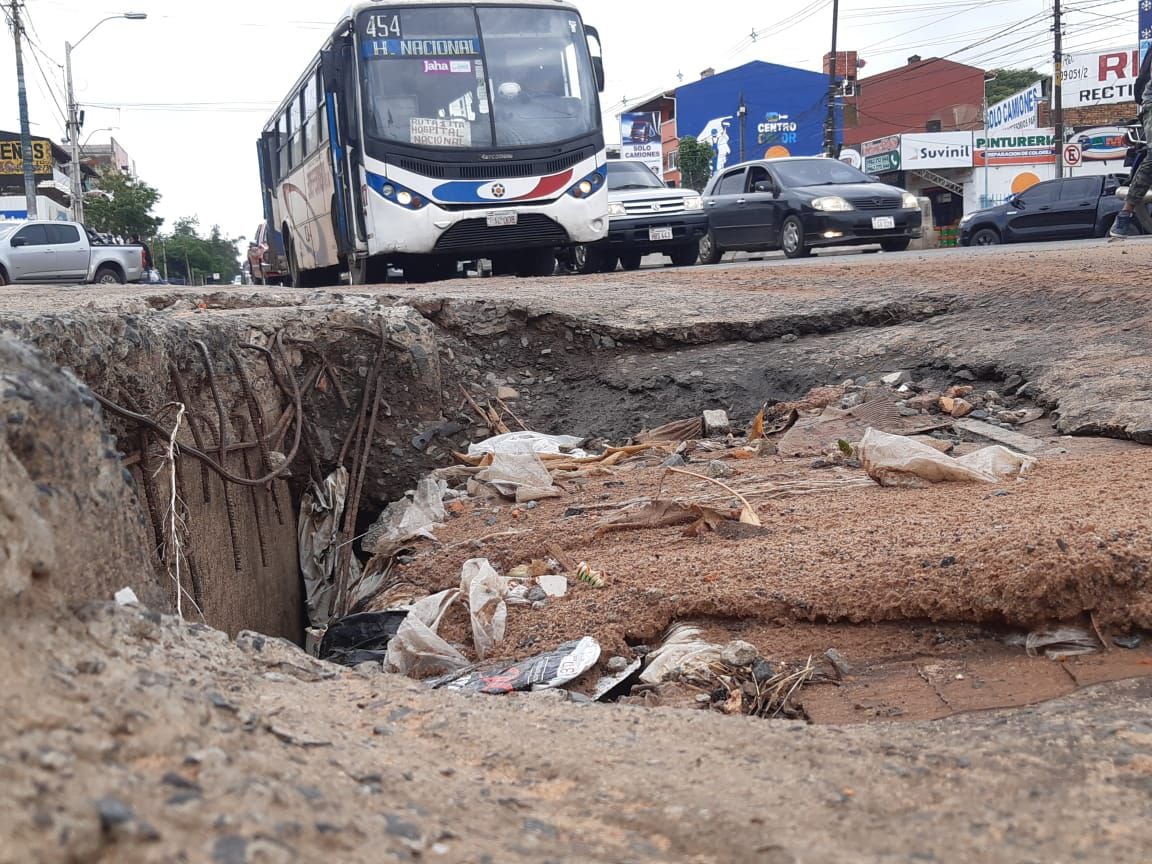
x,y
913,671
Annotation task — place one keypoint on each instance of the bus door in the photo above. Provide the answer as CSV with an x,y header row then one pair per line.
x,y
338,69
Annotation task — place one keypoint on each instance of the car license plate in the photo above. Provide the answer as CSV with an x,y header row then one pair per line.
x,y
879,223
499,220
659,233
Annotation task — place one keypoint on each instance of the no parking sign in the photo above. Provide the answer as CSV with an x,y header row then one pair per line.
x,y
1073,155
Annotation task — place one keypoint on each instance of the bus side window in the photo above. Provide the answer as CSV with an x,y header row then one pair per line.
x,y
321,110
292,140
282,147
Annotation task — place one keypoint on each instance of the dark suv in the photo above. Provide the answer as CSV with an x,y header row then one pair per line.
x,y
1067,209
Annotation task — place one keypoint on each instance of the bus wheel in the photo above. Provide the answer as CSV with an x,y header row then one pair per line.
x,y
536,262
428,268
367,271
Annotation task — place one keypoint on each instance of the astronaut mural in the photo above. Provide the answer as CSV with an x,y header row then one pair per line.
x,y
784,116
715,135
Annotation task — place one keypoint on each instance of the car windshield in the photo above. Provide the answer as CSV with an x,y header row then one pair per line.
x,y
818,172
464,78
632,175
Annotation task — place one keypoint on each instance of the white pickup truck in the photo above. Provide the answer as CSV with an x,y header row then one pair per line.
x,y
45,251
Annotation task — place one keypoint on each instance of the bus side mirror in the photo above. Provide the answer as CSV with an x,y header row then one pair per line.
x,y
597,53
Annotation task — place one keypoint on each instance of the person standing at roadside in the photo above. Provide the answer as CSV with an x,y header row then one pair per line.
x,y
138,241
1141,179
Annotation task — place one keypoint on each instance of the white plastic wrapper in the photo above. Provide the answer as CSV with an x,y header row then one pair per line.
x,y
893,460
537,442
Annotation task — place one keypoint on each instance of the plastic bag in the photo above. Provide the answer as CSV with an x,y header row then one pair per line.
x,y
485,590
405,519
682,649
536,442
416,650
318,528
893,460
512,472
542,672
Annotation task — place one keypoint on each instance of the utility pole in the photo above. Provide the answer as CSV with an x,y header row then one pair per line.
x,y
76,175
741,114
1057,89
25,129
833,88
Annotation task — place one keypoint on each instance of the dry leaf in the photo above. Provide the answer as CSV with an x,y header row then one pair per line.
x,y
756,431
748,517
666,514
709,519
740,454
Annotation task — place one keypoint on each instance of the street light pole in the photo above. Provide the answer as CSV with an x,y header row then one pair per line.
x,y
25,127
77,174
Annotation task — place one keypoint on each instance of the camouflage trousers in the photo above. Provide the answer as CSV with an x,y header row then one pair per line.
x,y
1142,178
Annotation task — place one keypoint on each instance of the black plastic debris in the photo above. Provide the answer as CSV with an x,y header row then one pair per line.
x,y
542,672
360,638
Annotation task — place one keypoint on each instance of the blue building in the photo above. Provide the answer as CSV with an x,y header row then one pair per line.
x,y
784,112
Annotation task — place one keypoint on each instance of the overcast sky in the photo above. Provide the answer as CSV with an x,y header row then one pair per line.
x,y
189,89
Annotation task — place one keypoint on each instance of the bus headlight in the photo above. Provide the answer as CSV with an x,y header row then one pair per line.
x,y
392,191
404,198
588,185
388,190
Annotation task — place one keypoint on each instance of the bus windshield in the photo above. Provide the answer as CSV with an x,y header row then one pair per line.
x,y
462,77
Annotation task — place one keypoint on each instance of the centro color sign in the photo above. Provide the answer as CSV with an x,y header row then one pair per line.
x,y
1100,78
882,155
1019,111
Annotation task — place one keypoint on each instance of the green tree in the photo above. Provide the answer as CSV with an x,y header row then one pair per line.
x,y
122,205
695,161
187,255
1009,81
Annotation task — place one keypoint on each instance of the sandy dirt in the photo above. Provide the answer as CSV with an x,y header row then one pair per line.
x,y
128,736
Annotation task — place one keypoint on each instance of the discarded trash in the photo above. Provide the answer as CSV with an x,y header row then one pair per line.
x,y
1057,642
681,650
615,683
667,514
536,442
519,473
361,638
584,573
485,590
406,519
126,597
739,653
893,460
317,534
542,672
680,430
416,650
1131,642
553,585
1015,440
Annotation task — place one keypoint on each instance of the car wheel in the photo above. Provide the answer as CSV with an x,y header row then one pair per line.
x,y
109,276
3,278
710,252
631,260
588,259
896,245
686,255
986,237
792,238
608,263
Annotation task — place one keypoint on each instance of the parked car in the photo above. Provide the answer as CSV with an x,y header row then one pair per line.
x,y
267,263
1067,209
644,217
798,204
47,251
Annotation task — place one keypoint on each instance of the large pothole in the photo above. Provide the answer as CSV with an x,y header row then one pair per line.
x,y
390,394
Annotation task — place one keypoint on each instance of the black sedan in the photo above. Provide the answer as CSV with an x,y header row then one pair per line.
x,y
1066,209
799,204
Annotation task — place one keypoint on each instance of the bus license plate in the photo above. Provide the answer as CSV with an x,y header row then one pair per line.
x,y
881,222
659,233
499,220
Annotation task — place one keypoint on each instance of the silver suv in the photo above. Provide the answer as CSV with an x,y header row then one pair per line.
x,y
644,217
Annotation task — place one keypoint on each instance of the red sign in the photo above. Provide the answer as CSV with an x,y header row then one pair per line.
x,y
1072,155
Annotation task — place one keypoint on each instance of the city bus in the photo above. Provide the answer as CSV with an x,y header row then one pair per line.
x,y
428,133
